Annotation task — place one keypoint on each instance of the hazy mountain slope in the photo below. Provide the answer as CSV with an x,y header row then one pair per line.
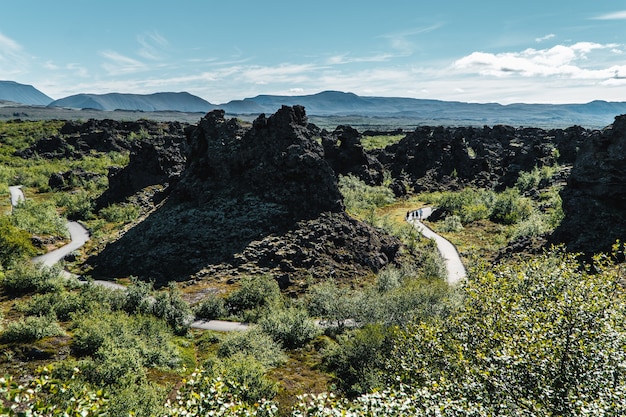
x,y
23,94
184,102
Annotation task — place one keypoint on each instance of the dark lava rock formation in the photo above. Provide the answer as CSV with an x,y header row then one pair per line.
x,y
345,154
77,139
594,200
252,200
158,161
439,158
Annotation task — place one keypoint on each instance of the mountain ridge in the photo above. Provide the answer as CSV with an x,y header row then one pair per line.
x,y
22,93
332,103
179,101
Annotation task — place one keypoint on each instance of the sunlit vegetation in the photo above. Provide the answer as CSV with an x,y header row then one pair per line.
x,y
534,336
380,141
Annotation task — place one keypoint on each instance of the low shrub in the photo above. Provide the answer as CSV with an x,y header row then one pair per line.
x,y
15,244
149,336
245,376
362,199
114,365
60,304
39,218
211,308
255,343
452,223
291,327
388,279
255,294
28,278
170,306
137,297
78,204
331,304
357,359
29,329
120,213
510,207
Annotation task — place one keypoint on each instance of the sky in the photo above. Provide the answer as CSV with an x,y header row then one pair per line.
x,y
531,51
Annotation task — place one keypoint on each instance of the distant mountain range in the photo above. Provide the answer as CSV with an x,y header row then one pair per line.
x,y
340,105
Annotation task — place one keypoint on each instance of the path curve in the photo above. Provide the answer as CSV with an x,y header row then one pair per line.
x,y
449,253
78,237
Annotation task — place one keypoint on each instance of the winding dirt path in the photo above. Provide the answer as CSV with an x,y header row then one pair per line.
x,y
454,265
78,237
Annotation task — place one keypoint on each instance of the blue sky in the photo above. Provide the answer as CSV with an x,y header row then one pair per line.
x,y
530,51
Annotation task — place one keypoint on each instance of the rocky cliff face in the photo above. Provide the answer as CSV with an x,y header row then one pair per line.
x,y
436,158
252,200
594,200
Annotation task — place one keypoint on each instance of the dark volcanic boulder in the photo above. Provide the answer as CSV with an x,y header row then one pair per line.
x,y
594,200
258,199
345,153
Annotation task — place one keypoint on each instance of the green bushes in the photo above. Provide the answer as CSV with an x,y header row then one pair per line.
x,y
357,359
399,296
255,295
452,223
543,334
470,205
211,308
120,213
39,218
29,329
78,204
255,343
227,398
149,339
291,327
510,208
361,199
15,244
170,307
246,377
27,278
59,304
529,180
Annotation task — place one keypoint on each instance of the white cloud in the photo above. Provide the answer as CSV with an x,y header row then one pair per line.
x,y
619,15
120,64
569,61
545,38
